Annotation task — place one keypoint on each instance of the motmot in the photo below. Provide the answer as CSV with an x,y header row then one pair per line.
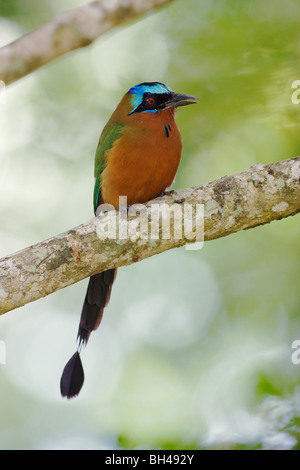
x,y
137,156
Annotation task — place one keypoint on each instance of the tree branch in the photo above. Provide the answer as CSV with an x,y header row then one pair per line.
x,y
71,30
253,197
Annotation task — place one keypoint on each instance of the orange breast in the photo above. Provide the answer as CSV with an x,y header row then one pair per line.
x,y
144,161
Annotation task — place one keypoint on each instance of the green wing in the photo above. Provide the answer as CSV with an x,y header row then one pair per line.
x,y
109,135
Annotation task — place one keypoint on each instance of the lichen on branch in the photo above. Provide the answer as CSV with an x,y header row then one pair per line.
x,y
256,196
70,30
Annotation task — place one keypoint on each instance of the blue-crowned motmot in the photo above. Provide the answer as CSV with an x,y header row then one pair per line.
x,y
137,156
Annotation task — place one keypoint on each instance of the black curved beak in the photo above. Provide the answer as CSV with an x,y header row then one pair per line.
x,y
179,99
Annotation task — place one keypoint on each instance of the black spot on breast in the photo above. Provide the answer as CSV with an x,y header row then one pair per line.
x,y
167,130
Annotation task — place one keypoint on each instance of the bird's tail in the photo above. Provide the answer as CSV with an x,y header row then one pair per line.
x,y
97,297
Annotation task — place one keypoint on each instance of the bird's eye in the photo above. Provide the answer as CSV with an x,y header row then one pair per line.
x,y
150,101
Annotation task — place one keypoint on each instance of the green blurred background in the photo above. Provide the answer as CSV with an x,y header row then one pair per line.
x,y
194,350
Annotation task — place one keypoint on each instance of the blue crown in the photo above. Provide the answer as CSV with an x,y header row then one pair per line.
x,y
138,91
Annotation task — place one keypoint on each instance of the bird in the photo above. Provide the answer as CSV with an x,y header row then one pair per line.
x,y
137,156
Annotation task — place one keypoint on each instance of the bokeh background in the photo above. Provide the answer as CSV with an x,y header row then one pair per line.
x,y
194,350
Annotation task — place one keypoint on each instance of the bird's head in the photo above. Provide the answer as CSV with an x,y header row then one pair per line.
x,y
153,97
